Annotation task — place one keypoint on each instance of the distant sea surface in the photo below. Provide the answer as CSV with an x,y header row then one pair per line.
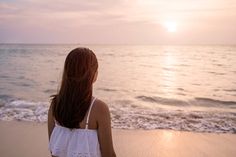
x,y
191,88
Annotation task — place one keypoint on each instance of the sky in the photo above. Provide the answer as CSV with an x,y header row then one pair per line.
x,y
118,21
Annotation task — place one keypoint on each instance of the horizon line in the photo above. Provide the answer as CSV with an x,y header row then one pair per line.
x,y
51,43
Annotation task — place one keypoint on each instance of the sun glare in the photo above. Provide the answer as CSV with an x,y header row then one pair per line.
x,y
171,26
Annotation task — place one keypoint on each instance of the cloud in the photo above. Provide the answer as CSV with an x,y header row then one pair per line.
x,y
109,20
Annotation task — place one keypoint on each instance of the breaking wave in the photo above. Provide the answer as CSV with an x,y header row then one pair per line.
x,y
134,117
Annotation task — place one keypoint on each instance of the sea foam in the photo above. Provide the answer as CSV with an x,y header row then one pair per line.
x,y
133,117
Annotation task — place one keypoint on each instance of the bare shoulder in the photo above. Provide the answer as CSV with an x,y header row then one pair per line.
x,y
101,108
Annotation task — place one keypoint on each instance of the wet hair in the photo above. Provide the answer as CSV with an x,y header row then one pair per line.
x,y
70,104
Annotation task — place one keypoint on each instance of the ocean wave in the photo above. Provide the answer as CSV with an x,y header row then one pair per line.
x,y
198,121
107,89
230,90
198,101
210,101
133,117
24,111
161,100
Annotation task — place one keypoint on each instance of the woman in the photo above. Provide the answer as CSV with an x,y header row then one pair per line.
x,y
79,124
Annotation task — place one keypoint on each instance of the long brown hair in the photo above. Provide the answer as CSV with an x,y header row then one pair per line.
x,y
72,101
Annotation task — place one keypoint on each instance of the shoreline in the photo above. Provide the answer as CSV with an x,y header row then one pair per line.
x,y
31,139
139,118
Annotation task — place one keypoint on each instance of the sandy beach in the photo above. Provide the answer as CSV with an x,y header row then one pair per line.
x,y
27,139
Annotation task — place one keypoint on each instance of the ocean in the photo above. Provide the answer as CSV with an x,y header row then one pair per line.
x,y
178,87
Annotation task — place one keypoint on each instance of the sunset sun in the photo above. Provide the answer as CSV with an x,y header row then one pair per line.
x,y
170,26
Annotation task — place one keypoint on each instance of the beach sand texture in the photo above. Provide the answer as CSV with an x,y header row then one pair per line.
x,y
26,139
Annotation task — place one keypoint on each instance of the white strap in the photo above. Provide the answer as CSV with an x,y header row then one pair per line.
x,y
90,107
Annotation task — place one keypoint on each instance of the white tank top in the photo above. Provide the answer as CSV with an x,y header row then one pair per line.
x,y
65,142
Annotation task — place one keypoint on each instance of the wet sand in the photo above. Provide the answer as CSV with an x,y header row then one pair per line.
x,y
27,139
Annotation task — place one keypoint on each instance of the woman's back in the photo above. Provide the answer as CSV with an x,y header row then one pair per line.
x,y
78,124
81,142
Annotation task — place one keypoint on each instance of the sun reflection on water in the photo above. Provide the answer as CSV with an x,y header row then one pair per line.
x,y
168,73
